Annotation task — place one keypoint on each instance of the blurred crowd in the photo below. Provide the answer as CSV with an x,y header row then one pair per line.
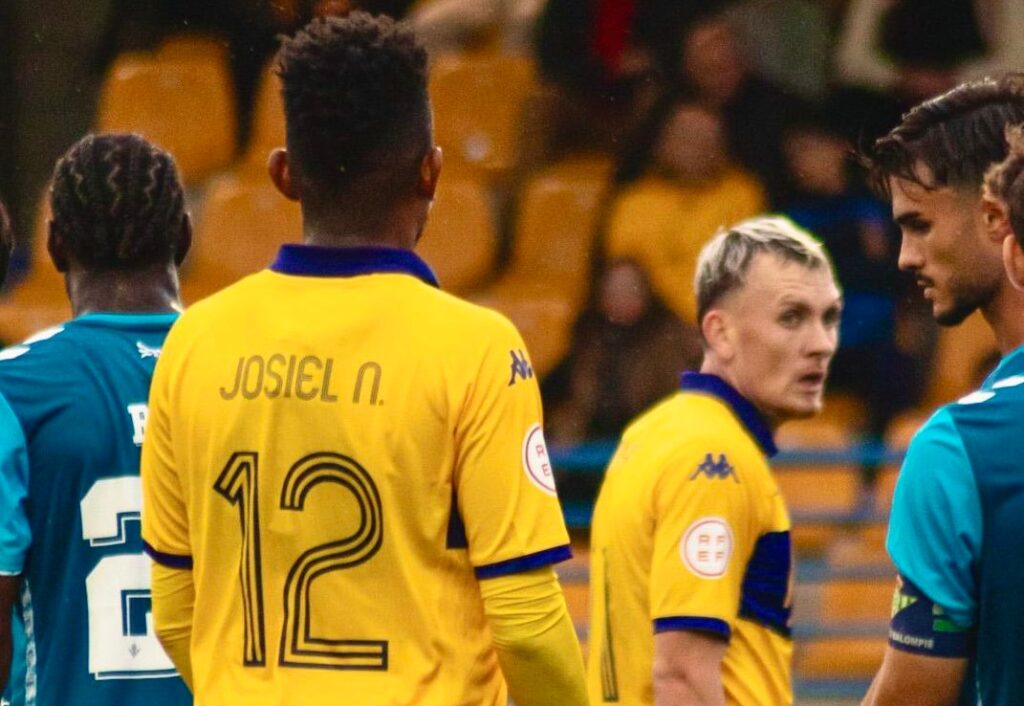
x,y
710,111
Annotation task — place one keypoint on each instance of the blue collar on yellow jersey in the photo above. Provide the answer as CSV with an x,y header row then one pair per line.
x,y
319,261
740,405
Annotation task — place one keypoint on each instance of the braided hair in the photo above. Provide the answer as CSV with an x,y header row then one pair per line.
x,y
117,202
355,101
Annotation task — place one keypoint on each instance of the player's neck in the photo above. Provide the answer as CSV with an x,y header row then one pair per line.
x,y
151,290
1005,315
342,230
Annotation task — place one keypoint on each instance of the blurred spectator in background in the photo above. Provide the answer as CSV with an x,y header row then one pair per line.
x,y
680,188
887,372
786,42
756,112
627,352
458,25
892,54
599,60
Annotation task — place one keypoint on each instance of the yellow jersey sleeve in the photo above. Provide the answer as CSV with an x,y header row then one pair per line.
x,y
504,484
165,532
705,528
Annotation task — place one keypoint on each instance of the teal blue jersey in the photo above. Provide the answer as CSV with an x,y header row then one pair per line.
x,y
70,498
956,536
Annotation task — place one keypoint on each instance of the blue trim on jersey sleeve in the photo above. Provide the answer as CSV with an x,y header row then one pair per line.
x,y
935,530
319,261
15,531
173,561
524,563
920,626
688,622
740,405
766,583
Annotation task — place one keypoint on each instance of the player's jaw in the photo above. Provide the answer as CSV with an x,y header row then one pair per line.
x,y
953,299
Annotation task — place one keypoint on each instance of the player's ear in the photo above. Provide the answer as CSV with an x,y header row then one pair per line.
x,y
281,174
997,221
430,173
57,248
181,248
1013,261
717,334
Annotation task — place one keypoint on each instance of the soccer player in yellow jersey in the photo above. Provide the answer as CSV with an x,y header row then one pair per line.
x,y
691,561
346,486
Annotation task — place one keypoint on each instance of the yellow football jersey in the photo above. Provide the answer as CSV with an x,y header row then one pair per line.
x,y
690,533
340,452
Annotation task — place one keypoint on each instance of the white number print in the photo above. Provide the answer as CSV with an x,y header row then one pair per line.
x,y
122,644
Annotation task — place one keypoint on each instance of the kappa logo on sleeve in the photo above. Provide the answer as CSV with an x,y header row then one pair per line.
x,y
711,468
536,462
706,547
520,367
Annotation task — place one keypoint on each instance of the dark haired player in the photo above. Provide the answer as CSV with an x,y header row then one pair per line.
x,y
346,486
71,432
956,528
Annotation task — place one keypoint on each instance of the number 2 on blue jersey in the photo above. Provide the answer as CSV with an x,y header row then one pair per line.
x,y
122,644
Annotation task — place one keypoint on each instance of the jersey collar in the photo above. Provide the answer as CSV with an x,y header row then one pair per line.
x,y
320,261
740,406
1009,363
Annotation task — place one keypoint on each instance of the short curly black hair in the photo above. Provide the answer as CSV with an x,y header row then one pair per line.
x,y
957,135
117,202
1005,181
355,100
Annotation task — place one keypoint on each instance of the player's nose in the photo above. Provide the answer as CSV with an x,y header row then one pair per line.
x,y
911,255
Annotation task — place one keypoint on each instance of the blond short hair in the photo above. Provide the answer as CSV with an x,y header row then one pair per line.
x,y
723,263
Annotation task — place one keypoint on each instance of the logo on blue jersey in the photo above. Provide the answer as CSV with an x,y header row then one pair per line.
x,y
520,367
711,468
147,352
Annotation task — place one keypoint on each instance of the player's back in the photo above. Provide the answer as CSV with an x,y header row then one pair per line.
x,y
661,514
80,393
316,426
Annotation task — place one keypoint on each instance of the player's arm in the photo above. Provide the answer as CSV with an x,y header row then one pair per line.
x,y
514,530
688,669
173,600
934,536
934,681
704,528
15,534
534,637
165,526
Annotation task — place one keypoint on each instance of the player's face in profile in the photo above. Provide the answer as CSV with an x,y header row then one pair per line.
x,y
945,247
786,330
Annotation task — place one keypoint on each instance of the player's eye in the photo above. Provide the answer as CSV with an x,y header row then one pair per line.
x,y
790,318
831,317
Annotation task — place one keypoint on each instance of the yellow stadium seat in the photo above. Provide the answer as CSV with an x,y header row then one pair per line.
x,y
184,105
577,597
38,301
859,547
818,487
847,600
268,128
460,243
547,278
194,45
961,350
478,103
243,224
838,657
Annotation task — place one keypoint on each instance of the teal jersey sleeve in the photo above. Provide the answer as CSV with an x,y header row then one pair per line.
x,y
15,534
935,529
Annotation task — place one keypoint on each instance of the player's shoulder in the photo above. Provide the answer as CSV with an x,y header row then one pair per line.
x,y
44,346
686,425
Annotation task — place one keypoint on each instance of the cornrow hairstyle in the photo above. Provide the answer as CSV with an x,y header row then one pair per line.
x,y
6,242
1005,181
355,101
117,202
957,136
